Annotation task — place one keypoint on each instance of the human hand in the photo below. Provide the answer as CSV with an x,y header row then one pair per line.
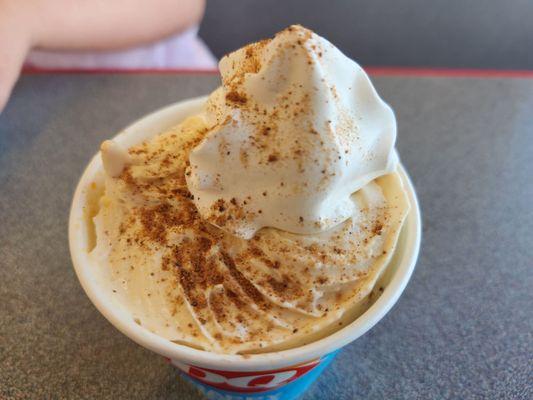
x,y
84,25
15,42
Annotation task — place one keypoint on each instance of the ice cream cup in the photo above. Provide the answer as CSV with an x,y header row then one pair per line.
x,y
284,374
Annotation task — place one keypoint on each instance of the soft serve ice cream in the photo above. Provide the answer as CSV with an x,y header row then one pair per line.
x,y
296,129
264,222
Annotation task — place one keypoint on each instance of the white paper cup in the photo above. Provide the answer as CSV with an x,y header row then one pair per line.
x,y
283,374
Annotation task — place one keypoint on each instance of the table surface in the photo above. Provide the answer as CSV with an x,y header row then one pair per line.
x,y
462,329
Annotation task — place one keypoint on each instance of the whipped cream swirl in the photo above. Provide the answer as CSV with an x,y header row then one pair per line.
x,y
295,129
265,222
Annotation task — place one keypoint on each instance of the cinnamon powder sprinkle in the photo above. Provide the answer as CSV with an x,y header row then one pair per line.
x,y
200,257
236,97
272,158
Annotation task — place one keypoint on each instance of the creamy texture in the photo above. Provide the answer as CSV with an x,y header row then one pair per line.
x,y
295,129
191,282
265,222
114,158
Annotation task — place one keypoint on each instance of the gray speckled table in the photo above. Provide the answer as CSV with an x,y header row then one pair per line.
x,y
462,329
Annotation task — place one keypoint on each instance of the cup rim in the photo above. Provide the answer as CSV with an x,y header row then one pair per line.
x,y
229,362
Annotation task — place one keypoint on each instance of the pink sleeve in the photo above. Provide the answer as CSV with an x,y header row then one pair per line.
x,y
185,50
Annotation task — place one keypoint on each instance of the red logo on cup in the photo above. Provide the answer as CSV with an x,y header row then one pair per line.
x,y
247,382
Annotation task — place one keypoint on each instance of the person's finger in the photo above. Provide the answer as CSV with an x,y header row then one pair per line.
x,y
11,59
7,80
15,36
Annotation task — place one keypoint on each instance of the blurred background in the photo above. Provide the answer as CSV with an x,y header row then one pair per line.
x,y
492,34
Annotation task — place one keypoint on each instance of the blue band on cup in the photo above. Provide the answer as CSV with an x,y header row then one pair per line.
x,y
288,391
